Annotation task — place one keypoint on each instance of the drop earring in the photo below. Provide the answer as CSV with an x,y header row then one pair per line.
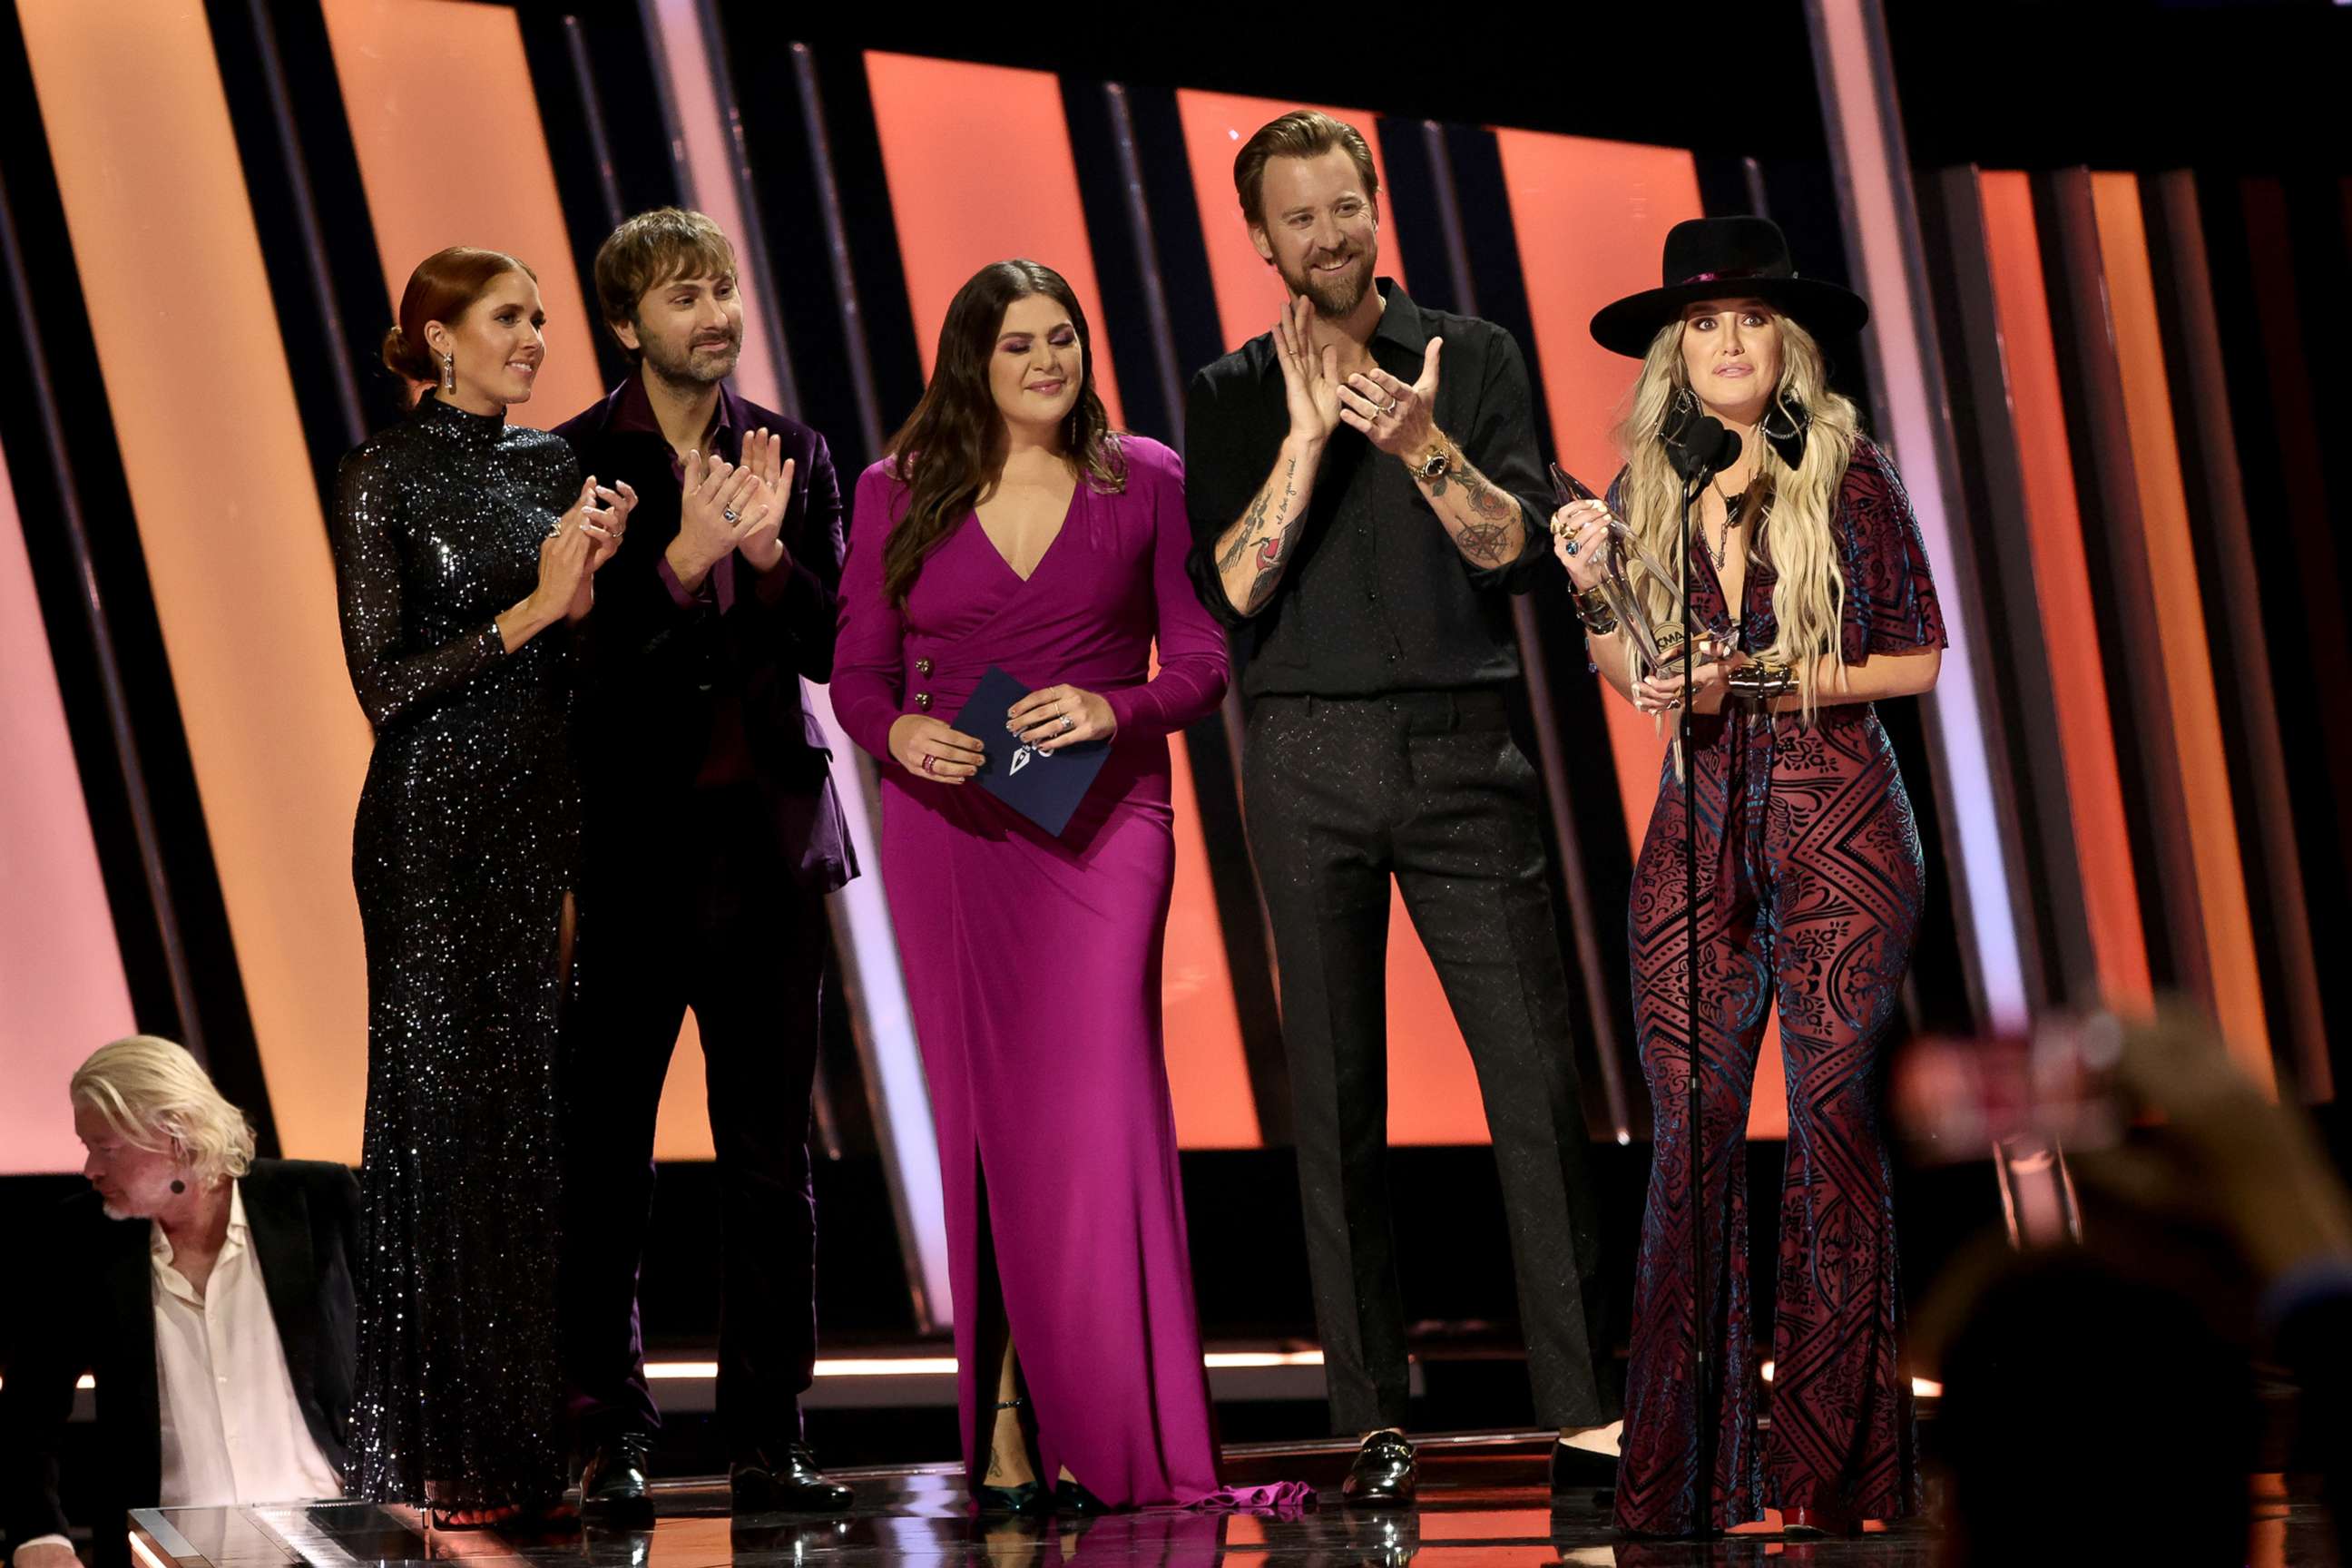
x,y
1787,434
449,375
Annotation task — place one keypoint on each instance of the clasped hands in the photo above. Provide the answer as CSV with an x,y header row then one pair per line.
x,y
576,548
1398,418
1049,718
725,507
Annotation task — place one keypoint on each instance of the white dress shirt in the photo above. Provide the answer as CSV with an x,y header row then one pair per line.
x,y
233,1432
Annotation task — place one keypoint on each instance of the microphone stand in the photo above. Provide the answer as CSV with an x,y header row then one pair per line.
x,y
1693,1136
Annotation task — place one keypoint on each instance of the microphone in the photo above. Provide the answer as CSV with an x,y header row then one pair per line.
x,y
1702,450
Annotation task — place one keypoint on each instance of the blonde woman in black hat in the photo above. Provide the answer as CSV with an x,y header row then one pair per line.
x,y
1811,597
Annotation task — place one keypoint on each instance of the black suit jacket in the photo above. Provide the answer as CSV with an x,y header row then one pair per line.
x,y
656,670
93,1310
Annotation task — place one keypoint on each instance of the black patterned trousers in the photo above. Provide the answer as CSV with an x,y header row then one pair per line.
x,y
1433,789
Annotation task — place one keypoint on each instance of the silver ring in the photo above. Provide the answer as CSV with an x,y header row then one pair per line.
x,y
1392,408
730,514
1068,723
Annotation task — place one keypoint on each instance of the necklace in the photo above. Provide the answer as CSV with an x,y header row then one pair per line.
x,y
1721,550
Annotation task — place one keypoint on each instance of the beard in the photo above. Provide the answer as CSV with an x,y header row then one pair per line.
x,y
685,365
1334,295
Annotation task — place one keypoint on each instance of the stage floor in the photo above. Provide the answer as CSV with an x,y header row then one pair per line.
x,y
1482,1502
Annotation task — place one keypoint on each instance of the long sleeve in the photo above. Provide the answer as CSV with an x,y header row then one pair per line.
x,y
1194,668
389,680
868,656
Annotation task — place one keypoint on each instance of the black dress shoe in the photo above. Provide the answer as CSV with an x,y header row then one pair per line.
x,y
614,1492
1383,1474
1027,1500
785,1481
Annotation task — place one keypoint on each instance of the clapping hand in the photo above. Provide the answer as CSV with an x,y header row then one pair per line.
x,y
1310,380
711,514
760,534
1399,420
596,521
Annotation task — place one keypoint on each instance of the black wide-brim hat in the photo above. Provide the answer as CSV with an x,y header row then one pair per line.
x,y
1727,258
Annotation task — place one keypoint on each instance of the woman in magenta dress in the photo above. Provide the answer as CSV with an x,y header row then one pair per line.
x,y
1010,527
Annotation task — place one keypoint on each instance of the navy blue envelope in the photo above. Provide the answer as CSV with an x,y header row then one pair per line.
x,y
1044,786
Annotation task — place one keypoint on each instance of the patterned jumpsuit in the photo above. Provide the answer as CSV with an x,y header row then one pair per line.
x,y
1811,884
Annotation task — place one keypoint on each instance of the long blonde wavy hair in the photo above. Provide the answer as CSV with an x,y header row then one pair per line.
x,y
1809,593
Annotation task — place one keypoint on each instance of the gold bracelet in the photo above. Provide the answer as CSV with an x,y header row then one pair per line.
x,y
1593,609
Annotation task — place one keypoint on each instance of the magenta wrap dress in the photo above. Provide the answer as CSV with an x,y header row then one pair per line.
x,y
1033,964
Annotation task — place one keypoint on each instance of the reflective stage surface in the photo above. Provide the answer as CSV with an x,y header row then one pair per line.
x,y
1482,1502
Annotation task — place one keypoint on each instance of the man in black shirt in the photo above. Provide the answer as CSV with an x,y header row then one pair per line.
x,y
1361,518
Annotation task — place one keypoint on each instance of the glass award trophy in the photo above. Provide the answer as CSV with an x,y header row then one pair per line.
x,y
1659,647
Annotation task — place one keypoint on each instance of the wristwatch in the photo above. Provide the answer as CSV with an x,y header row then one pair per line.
x,y
1436,466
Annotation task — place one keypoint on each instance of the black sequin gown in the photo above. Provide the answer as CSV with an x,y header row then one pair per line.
x,y
466,846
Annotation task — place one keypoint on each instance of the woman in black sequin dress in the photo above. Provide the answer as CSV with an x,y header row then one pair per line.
x,y
464,548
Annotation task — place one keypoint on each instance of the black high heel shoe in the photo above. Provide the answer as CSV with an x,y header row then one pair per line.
x,y
1027,1500
1072,1498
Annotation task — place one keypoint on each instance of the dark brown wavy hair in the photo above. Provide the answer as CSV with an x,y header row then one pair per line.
x,y
953,442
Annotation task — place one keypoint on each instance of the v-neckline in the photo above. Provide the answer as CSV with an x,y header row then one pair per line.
x,y
1733,613
1043,555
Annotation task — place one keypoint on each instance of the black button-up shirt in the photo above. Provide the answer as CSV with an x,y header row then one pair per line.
x,y
1376,598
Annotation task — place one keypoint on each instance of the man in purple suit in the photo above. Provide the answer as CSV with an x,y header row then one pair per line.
x,y
712,837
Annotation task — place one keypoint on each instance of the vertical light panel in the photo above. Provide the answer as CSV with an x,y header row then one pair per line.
x,y
1882,224
980,169
2061,578
1208,1071
229,521
1591,218
1249,293
452,151
62,993
979,164
710,136
2175,588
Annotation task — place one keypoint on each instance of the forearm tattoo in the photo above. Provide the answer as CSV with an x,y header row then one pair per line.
x,y
1243,532
1492,537
1271,544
